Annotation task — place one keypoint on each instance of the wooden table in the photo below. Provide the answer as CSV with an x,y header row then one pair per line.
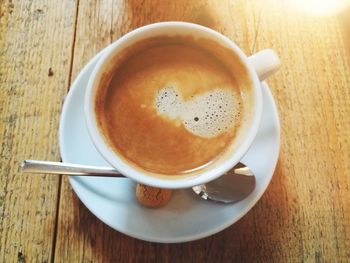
x,y
304,216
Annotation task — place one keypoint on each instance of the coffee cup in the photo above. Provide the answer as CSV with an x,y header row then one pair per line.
x,y
175,104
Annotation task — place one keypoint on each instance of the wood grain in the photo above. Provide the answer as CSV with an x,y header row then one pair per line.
x,y
313,95
34,38
304,216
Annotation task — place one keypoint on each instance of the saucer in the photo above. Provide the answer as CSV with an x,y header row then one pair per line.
x,y
186,217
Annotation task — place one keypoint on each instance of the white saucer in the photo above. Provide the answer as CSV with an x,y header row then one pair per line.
x,y
186,217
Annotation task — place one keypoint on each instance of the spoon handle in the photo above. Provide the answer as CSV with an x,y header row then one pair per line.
x,y
34,166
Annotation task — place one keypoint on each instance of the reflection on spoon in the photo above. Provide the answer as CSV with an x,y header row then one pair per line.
x,y
233,186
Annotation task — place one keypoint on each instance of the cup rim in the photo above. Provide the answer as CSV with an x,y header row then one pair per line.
x,y
158,180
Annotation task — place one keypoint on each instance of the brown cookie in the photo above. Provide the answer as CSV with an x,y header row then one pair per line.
x,y
152,196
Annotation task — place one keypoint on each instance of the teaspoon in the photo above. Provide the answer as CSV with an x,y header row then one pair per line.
x,y
231,187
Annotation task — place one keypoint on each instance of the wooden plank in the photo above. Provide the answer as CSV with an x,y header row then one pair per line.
x,y
312,91
34,37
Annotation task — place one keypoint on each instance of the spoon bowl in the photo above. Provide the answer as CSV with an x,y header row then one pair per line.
x,y
231,187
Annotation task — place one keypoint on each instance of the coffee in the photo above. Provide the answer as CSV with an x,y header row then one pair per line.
x,y
172,105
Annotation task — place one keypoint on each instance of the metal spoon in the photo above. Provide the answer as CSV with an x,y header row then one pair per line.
x,y
233,186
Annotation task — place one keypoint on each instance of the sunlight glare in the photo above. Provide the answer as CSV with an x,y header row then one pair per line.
x,y
320,7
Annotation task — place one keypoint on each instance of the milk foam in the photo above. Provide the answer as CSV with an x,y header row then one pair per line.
x,y
206,115
169,102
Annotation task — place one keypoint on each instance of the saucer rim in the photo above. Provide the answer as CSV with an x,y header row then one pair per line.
x,y
74,181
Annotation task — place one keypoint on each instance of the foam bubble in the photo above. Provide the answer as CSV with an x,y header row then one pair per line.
x,y
205,115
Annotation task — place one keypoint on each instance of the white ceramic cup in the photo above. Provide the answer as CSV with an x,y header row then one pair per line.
x,y
259,66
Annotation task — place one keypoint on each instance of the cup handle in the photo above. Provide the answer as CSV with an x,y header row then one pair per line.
x,y
265,62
